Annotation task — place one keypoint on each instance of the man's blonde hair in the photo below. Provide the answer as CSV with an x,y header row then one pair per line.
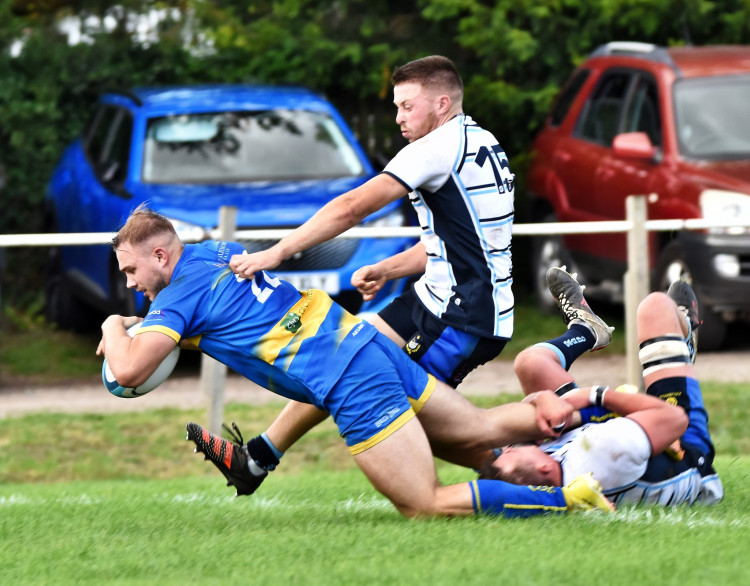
x,y
143,224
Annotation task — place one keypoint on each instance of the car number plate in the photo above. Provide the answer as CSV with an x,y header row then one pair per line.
x,y
328,282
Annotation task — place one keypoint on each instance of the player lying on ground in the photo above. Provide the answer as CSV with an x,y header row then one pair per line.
x,y
660,450
304,347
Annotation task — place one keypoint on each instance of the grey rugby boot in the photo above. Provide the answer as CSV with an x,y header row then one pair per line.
x,y
568,294
683,295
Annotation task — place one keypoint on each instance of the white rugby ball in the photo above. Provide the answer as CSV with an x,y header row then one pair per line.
x,y
159,376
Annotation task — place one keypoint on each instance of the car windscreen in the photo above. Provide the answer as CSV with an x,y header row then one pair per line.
x,y
711,117
229,147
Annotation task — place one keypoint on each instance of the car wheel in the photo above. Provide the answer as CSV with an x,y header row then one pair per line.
x,y
547,251
673,267
61,307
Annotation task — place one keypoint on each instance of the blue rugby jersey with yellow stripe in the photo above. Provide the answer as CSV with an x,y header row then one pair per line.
x,y
293,343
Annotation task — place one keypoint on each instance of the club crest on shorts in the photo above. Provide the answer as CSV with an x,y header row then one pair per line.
x,y
414,344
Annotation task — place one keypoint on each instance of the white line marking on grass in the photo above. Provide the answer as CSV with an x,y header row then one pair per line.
x,y
690,518
631,515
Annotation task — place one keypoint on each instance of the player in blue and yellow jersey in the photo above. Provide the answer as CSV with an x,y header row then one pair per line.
x,y
459,314
303,346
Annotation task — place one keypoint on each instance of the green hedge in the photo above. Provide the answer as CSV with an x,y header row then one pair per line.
x,y
513,56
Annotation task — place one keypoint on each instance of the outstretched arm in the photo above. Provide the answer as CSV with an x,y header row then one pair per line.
x,y
334,218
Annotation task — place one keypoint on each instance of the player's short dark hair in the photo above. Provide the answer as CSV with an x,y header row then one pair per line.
x,y
434,71
142,224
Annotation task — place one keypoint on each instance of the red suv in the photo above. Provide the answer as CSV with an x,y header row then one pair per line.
x,y
672,124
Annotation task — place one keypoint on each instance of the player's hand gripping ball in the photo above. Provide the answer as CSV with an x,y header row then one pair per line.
x,y
160,374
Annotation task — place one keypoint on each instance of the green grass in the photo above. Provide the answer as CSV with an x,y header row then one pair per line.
x,y
332,528
122,499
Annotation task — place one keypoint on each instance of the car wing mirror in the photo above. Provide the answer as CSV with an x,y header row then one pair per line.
x,y
635,145
109,171
108,174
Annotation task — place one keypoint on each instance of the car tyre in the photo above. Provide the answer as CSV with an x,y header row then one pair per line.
x,y
671,267
61,307
547,251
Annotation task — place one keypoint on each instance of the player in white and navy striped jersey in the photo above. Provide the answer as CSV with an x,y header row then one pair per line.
x,y
459,314
652,448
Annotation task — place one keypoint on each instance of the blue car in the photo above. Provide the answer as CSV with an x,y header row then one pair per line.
x,y
277,154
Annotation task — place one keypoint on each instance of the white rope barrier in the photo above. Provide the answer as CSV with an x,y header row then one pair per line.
x,y
636,226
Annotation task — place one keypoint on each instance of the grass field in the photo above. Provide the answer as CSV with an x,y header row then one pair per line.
x,y
121,499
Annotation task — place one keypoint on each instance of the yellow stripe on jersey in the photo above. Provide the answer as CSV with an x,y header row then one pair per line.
x,y
162,330
347,323
400,421
310,310
429,388
193,342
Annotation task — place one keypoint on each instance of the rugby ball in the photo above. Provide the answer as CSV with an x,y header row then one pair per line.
x,y
160,374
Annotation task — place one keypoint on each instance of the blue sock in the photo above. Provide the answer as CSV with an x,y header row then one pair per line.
x,y
574,342
495,497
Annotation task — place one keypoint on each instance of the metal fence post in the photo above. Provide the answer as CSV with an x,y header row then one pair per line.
x,y
637,282
213,372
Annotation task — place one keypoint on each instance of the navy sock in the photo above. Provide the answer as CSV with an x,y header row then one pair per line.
x,y
262,453
496,497
574,342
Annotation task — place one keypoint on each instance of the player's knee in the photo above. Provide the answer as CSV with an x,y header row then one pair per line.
x,y
418,510
525,361
655,304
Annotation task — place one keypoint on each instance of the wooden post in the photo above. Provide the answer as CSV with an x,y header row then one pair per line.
x,y
213,372
637,283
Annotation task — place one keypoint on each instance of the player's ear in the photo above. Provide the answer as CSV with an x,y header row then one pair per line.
x,y
443,103
545,469
161,255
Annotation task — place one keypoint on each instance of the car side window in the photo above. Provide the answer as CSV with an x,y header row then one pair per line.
x,y
107,143
600,120
567,96
96,139
643,111
119,151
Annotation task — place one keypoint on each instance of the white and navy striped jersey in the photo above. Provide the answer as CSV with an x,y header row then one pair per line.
x,y
462,189
617,452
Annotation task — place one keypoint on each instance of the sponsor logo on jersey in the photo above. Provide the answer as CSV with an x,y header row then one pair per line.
x,y
157,314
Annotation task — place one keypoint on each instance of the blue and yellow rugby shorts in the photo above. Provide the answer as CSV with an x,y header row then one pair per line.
x,y
378,393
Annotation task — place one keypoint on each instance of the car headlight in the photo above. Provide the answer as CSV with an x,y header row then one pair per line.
x,y
189,232
726,207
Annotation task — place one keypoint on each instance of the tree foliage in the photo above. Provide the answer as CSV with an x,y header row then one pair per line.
x,y
513,55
